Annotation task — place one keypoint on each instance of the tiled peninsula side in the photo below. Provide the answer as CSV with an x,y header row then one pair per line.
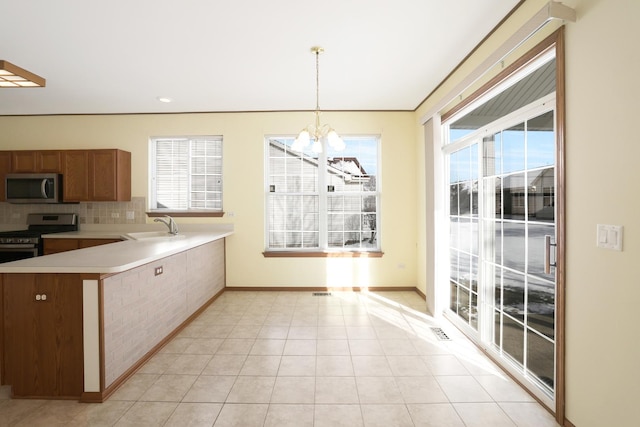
x,y
141,308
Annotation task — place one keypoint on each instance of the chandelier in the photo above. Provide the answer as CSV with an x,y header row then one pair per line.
x,y
318,132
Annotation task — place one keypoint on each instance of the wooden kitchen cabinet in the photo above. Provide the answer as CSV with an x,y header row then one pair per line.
x,y
87,175
36,161
89,243
53,246
5,168
43,345
111,175
23,161
96,175
75,175
56,245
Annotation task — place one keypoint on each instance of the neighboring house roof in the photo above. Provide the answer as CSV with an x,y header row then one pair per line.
x,y
349,165
349,168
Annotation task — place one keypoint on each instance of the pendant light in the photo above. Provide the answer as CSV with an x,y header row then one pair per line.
x,y
319,132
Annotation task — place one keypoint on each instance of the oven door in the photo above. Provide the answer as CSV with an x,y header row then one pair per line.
x,y
15,252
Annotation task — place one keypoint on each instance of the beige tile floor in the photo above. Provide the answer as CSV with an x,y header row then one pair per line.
x,y
294,359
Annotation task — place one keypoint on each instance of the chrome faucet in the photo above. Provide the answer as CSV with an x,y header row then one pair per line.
x,y
170,223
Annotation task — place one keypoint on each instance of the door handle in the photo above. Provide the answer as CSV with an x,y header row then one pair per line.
x,y
547,254
43,188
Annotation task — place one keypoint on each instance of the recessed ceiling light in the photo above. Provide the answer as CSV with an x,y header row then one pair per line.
x,y
164,99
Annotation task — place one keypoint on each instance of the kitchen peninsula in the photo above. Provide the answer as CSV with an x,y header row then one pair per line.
x,y
76,324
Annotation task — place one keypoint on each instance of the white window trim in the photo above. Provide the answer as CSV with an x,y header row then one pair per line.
x,y
152,199
323,247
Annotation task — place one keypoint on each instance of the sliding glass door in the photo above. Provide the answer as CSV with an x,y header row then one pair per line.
x,y
519,229
502,228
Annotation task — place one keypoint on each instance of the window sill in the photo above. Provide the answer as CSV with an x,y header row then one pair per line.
x,y
189,213
322,254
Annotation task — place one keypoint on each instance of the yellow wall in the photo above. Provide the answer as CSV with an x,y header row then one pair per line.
x,y
244,183
603,68
602,152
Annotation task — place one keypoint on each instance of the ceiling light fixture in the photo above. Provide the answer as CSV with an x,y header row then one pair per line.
x,y
14,76
318,132
164,99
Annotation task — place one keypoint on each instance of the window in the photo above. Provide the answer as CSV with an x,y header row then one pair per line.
x,y
328,201
186,174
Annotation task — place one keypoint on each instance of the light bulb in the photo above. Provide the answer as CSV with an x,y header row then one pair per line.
x,y
335,141
301,141
317,146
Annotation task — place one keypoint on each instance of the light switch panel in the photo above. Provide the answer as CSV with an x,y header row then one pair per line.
x,y
609,236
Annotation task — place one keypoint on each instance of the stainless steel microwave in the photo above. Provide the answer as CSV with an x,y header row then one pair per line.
x,y
33,188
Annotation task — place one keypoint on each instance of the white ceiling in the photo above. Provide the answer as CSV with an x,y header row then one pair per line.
x,y
118,56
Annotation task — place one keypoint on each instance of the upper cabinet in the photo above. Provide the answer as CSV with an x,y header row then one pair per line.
x,y
5,168
87,175
96,175
47,161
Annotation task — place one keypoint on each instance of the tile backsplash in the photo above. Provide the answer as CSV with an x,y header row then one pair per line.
x,y
132,212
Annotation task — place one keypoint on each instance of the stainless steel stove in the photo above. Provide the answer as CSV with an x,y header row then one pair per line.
x,y
21,244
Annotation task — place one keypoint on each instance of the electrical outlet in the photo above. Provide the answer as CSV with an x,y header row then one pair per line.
x,y
115,215
131,214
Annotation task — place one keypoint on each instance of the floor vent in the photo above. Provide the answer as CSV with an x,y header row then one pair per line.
x,y
440,334
322,294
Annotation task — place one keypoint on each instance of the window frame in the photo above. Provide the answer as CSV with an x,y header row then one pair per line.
x,y
324,250
188,212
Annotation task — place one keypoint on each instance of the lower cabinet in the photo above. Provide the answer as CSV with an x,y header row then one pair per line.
x,y
55,245
42,316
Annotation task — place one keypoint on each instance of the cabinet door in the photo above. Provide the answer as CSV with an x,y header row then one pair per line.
x,y
23,162
96,175
43,336
89,243
49,161
56,245
104,173
31,161
5,168
75,176
53,246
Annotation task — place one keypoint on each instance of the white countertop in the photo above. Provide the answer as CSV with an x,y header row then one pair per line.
x,y
113,257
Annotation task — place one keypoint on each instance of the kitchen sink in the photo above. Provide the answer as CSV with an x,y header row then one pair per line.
x,y
162,235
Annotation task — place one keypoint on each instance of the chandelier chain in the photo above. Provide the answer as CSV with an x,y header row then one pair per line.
x,y
320,133
317,80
